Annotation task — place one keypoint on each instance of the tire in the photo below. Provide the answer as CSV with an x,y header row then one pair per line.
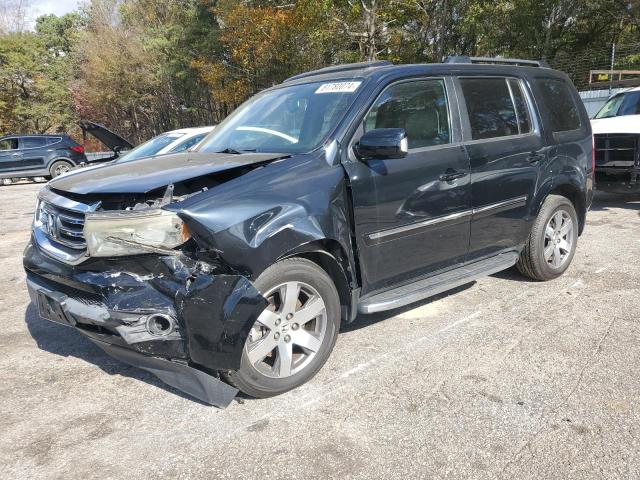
x,y
59,167
273,374
552,242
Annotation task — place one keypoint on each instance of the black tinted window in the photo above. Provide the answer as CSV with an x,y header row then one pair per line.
x,y
9,144
52,140
522,110
491,111
33,142
419,107
560,103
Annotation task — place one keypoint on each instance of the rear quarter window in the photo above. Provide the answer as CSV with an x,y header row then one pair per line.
x,y
561,104
496,107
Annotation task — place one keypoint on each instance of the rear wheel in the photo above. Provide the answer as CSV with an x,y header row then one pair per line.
x,y
295,334
60,167
552,242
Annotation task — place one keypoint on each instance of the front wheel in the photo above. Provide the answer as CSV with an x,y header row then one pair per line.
x,y
294,336
552,242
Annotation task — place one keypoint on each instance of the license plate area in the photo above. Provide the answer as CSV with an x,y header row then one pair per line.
x,y
50,309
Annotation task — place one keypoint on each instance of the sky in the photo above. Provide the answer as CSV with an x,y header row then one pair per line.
x,y
57,7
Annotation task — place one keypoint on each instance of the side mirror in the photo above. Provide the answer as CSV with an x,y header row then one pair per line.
x,y
117,150
382,143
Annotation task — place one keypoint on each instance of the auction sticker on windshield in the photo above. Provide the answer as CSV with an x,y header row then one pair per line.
x,y
338,87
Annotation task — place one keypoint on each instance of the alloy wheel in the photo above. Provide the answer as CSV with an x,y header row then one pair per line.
x,y
289,332
558,239
60,169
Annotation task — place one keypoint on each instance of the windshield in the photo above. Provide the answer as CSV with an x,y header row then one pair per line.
x,y
150,147
294,119
620,105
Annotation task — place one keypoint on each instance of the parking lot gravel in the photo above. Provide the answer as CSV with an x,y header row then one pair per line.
x,y
501,378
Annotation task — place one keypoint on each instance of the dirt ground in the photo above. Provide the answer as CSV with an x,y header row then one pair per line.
x,y
502,378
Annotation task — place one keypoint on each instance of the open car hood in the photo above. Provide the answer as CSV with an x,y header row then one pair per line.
x,y
106,136
151,173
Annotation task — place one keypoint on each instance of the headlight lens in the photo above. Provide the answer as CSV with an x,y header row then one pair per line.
x,y
110,234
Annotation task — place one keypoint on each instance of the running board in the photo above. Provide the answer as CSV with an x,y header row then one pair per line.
x,y
414,292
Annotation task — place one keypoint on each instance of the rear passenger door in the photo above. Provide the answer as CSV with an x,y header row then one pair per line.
x,y
33,151
506,150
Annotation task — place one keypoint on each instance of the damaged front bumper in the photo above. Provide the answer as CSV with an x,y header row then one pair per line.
x,y
171,315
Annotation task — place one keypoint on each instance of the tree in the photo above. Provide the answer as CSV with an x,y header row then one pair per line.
x,y
34,95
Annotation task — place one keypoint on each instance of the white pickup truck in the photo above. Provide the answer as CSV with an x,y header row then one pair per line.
x,y
616,132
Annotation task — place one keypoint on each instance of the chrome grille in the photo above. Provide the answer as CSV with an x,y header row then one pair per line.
x,y
62,225
58,226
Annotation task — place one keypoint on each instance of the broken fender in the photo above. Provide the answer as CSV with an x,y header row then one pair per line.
x,y
113,301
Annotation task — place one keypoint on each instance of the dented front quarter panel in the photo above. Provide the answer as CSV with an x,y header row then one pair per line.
x,y
252,221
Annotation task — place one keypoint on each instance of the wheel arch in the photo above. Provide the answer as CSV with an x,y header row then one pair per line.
x,y
63,159
576,197
330,256
571,191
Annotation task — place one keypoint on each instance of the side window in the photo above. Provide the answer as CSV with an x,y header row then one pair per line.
x,y
9,144
53,140
419,107
491,109
33,142
560,102
522,110
188,143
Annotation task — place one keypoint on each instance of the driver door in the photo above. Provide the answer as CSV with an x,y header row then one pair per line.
x,y
412,215
10,156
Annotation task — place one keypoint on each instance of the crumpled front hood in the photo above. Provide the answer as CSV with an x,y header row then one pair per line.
x,y
147,174
622,124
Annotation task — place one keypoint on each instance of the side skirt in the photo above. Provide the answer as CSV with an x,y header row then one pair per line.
x,y
414,292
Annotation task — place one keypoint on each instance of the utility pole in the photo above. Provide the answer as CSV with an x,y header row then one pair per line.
x,y
613,61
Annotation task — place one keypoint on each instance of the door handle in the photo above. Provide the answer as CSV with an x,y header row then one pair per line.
x,y
16,154
451,175
535,158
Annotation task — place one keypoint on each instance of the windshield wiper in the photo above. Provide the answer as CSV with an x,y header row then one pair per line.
x,y
233,151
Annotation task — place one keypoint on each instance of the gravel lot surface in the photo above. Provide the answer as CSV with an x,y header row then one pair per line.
x,y
502,378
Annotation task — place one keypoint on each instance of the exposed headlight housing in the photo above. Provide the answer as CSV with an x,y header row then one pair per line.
x,y
112,234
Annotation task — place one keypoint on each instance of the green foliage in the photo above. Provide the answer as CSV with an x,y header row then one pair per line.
x,y
34,86
145,66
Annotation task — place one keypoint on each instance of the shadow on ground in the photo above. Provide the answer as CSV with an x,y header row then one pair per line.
x,y
67,342
603,201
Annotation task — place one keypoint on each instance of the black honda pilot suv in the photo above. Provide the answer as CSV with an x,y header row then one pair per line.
x,y
352,189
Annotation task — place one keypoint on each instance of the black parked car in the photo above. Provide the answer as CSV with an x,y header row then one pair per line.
x,y
49,156
39,155
352,189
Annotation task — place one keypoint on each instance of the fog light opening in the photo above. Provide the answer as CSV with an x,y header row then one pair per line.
x,y
160,325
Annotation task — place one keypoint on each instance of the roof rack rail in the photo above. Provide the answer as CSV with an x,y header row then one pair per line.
x,y
505,61
342,68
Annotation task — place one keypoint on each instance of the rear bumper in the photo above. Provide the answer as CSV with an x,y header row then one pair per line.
x,y
115,302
